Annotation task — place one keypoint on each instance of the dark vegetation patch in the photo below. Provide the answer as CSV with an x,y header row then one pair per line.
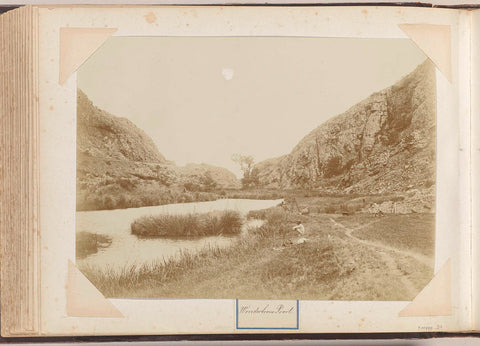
x,y
121,193
87,243
190,225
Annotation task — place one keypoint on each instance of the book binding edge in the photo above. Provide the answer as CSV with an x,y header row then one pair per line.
x,y
19,233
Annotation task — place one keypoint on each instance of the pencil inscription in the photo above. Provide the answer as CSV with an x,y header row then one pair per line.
x,y
267,309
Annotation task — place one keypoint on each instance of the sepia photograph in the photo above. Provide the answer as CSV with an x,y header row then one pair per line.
x,y
256,168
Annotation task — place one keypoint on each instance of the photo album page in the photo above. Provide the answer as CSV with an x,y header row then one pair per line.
x,y
237,169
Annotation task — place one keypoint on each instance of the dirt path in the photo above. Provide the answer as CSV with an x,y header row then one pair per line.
x,y
348,232
385,253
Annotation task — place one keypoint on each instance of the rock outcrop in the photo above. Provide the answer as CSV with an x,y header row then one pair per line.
x,y
119,166
106,136
383,144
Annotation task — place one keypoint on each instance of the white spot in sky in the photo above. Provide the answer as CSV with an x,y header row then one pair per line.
x,y
227,73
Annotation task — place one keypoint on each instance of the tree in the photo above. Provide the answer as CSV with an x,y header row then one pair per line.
x,y
250,173
208,182
253,179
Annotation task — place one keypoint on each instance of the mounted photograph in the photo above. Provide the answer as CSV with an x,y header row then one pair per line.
x,y
256,168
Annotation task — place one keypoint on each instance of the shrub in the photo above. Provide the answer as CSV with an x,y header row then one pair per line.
x,y
108,202
230,222
87,243
191,186
127,184
208,182
397,198
122,202
273,215
330,209
190,225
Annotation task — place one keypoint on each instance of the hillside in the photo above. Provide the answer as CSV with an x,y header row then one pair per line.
x,y
384,144
103,135
222,177
119,166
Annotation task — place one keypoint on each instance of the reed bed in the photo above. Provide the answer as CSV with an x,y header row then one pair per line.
x,y
192,274
114,282
190,225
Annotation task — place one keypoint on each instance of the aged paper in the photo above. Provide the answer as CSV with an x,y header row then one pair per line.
x,y
142,316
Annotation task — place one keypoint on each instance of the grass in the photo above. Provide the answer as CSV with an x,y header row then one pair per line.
x,y
412,232
253,194
346,204
367,277
275,214
115,283
87,243
250,268
418,273
266,193
264,265
325,203
190,225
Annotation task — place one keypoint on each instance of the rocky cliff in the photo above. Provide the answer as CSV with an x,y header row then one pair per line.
x,y
119,166
385,143
106,136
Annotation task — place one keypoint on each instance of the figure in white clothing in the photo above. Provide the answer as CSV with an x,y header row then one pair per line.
x,y
301,230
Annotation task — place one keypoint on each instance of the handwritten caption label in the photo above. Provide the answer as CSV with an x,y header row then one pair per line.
x,y
267,314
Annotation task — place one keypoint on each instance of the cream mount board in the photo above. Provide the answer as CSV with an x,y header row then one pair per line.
x,y
71,36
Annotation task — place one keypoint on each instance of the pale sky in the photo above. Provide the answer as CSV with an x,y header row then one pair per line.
x,y
202,99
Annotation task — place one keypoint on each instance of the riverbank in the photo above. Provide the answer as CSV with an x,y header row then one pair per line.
x,y
261,269
137,196
128,249
336,263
